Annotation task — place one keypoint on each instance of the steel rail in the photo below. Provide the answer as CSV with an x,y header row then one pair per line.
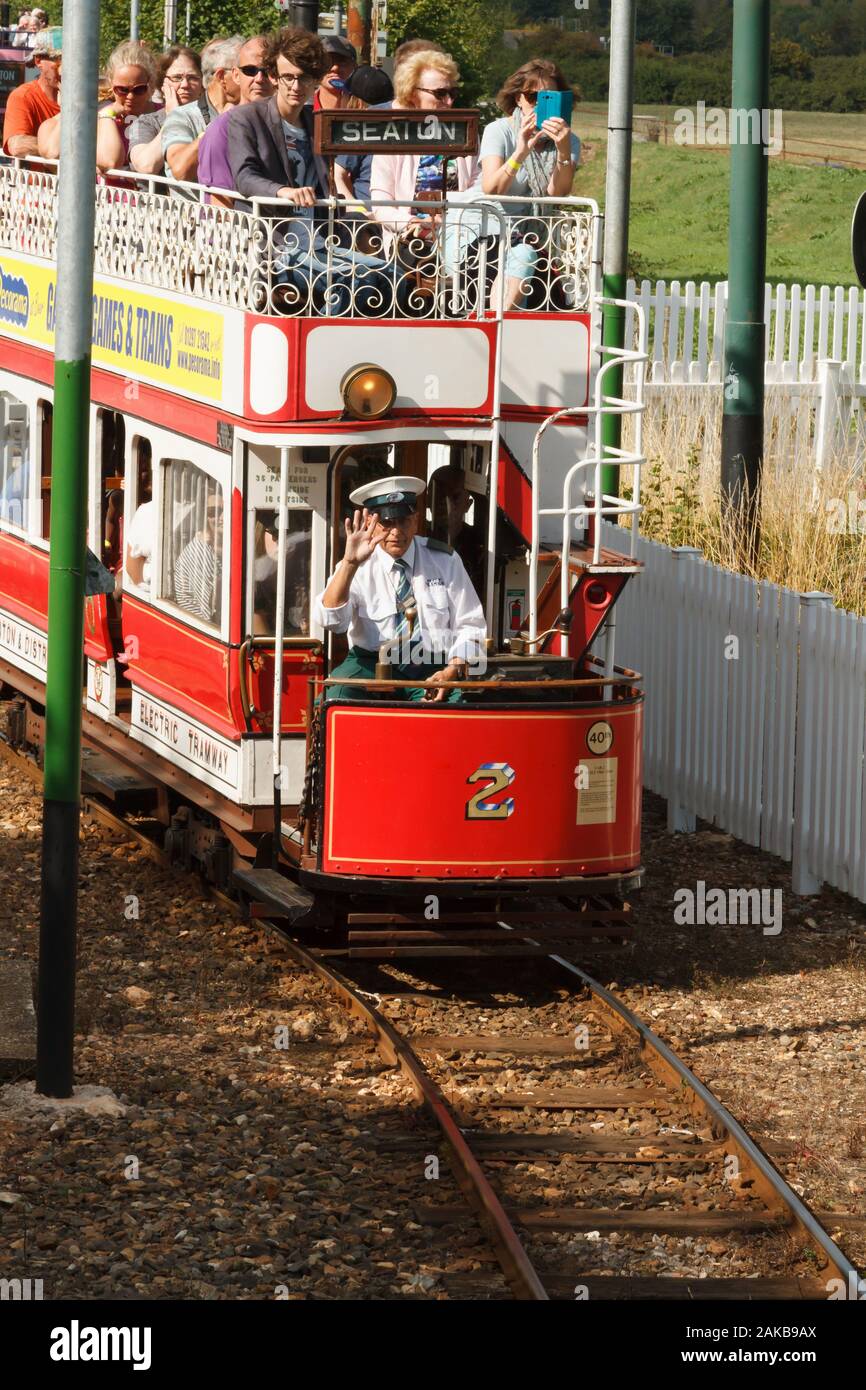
x,y
672,1070
395,1049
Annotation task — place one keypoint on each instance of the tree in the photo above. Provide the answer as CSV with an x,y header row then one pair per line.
x,y
467,29
209,18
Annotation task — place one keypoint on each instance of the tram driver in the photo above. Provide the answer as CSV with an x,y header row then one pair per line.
x,y
407,593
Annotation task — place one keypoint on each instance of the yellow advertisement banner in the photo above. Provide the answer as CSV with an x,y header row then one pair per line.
x,y
136,333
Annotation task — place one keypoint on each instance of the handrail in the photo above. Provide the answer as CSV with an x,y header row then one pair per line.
x,y
599,454
265,255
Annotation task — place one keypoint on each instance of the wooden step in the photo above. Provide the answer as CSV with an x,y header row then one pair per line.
x,y
286,899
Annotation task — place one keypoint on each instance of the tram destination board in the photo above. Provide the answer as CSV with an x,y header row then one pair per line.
x,y
445,132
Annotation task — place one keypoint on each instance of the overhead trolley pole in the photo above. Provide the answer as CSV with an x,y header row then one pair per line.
x,y
72,347
617,196
743,389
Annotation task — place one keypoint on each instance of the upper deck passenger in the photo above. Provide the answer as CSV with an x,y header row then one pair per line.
x,y
179,81
34,102
427,81
131,76
185,126
251,75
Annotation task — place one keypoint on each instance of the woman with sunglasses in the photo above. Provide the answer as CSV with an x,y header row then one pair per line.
x,y
179,80
519,159
426,81
132,76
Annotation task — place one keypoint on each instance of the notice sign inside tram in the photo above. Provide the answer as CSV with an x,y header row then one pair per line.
x,y
167,341
451,133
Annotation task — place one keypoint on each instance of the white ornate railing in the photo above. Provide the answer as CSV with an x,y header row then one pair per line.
x,y
263,256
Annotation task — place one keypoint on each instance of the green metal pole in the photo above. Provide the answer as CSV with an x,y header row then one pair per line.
x,y
616,213
75,228
743,404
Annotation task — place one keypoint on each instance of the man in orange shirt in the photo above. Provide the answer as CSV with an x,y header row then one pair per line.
x,y
35,102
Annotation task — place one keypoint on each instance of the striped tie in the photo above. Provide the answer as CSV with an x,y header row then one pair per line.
x,y
403,588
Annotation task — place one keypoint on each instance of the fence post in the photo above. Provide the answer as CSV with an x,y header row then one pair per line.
x,y
803,881
829,410
680,818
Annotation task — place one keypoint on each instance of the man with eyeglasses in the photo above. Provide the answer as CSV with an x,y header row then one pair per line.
x,y
254,84
271,157
30,105
406,593
184,127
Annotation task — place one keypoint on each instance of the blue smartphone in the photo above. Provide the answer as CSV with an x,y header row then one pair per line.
x,y
554,104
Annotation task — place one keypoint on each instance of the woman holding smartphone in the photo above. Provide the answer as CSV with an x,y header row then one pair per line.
x,y
519,158
522,157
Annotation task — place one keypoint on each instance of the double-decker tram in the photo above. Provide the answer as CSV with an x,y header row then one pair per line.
x,y
234,410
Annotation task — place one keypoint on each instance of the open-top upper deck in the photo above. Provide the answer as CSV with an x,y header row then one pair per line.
x,y
258,312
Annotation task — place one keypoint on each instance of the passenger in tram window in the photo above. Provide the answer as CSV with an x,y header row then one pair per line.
x,y
33,103
251,75
112,544
140,541
184,127
198,570
271,156
265,562
179,81
408,593
519,160
450,501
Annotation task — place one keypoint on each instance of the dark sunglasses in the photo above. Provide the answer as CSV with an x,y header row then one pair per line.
x,y
250,70
441,93
531,97
135,91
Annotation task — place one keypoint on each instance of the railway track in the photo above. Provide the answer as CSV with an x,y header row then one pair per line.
x,y
594,1159
682,1181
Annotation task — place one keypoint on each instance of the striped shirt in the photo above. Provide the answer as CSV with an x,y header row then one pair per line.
x,y
197,580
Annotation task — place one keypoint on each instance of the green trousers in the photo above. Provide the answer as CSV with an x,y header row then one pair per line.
x,y
361,663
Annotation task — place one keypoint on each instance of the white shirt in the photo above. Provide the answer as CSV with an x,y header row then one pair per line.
x,y
140,538
450,617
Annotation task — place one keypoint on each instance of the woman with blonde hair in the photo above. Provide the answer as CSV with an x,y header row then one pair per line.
x,y
131,75
426,81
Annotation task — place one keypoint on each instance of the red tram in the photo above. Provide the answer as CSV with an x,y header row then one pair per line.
x,y
215,413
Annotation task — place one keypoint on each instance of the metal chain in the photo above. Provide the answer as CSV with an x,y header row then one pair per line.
x,y
307,807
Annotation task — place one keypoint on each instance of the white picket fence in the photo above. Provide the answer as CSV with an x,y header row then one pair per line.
x,y
755,710
815,364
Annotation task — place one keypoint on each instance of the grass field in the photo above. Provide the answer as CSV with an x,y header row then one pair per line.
x,y
679,212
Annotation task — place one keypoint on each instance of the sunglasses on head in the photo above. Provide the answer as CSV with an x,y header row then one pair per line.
x,y
250,70
135,91
441,93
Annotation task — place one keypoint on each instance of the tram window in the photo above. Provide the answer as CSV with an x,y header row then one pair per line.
x,y
192,540
299,547
14,462
142,454
46,430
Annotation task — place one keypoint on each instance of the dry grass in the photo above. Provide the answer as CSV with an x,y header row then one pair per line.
x,y
812,526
